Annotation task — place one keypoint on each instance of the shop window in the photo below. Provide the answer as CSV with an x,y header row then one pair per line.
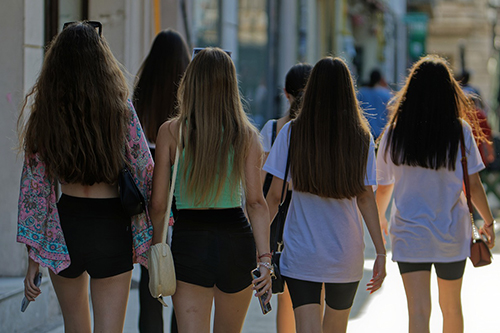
x,y
58,12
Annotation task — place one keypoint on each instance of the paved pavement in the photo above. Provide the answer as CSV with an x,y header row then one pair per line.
x,y
384,311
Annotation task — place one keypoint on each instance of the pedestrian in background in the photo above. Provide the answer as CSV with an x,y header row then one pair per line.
x,y
332,171
295,82
155,99
374,99
213,244
79,134
419,159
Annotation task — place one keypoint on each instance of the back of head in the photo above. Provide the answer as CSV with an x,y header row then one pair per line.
x,y
79,112
332,133
215,127
375,77
155,92
425,127
295,82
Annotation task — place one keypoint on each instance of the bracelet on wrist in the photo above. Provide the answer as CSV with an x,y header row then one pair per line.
x,y
266,255
489,225
381,254
268,266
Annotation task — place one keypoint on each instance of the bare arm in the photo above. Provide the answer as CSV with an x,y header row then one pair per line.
x,y
165,146
480,201
383,197
368,208
258,212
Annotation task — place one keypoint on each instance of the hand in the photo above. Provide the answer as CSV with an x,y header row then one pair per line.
x,y
378,275
263,284
489,232
30,290
384,227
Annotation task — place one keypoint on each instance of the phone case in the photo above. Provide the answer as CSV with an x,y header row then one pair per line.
x,y
38,282
266,308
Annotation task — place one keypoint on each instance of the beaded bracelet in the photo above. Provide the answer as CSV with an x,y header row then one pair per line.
x,y
268,266
267,254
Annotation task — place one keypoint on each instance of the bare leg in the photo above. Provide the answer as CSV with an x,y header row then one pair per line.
x,y
231,310
308,318
193,306
418,295
335,321
73,296
109,302
451,305
285,321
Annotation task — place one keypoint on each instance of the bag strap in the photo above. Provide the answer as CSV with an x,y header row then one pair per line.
x,y
465,172
273,133
172,187
280,221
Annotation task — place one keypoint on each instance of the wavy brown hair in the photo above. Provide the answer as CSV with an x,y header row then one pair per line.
x,y
79,110
155,93
424,129
216,130
330,138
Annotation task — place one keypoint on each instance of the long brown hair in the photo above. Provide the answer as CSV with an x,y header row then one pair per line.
x,y
330,138
424,129
295,82
155,92
79,112
216,130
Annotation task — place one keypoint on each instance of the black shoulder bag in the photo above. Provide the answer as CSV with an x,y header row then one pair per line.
x,y
133,202
269,177
277,246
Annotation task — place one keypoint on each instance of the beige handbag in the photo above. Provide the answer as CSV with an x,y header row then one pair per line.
x,y
160,262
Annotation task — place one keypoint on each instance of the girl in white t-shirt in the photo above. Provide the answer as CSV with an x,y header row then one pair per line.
x,y
419,160
332,171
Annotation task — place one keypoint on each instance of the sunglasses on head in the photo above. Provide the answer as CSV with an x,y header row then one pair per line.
x,y
94,24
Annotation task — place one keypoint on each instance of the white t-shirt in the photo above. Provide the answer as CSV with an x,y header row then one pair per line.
x,y
429,218
323,237
267,135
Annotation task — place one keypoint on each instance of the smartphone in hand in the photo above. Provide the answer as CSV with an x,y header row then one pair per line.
x,y
265,307
38,282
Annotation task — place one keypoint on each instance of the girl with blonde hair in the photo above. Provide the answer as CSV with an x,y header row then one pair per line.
x,y
213,244
332,171
80,133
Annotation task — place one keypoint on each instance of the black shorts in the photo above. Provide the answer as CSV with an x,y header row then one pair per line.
x,y
214,248
98,236
444,270
338,296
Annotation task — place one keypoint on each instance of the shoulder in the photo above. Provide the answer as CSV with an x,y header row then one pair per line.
x,y
267,128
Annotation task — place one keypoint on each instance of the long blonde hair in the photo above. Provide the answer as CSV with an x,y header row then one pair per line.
x,y
79,115
330,138
215,128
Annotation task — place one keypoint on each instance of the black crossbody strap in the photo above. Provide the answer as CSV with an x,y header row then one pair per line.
x,y
281,219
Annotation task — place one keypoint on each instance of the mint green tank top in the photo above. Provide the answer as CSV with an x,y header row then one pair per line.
x,y
229,198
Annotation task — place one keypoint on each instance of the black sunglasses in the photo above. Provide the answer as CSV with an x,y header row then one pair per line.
x,y
94,24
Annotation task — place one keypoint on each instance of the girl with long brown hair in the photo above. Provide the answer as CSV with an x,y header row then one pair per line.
x,y
213,244
419,159
332,171
155,99
80,133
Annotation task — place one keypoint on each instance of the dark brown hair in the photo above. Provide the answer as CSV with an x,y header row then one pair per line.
x,y
79,113
330,138
295,82
155,92
424,129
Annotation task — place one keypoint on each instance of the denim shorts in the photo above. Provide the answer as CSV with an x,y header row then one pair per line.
x,y
98,236
214,248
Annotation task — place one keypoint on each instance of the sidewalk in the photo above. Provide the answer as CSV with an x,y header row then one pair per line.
x,y
384,311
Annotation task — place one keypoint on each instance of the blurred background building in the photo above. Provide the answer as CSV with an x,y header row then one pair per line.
x,y
266,37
